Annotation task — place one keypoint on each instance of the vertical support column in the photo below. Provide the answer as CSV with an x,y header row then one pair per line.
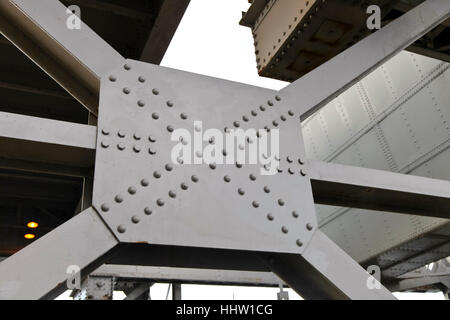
x,y
176,291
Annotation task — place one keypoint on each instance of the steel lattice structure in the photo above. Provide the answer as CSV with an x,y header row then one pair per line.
x,y
147,210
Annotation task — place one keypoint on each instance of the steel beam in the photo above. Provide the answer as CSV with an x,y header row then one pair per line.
x,y
347,68
190,275
163,29
176,291
331,273
347,186
141,291
46,142
39,271
76,59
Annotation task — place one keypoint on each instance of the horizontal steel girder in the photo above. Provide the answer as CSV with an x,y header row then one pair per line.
x,y
341,185
58,146
144,199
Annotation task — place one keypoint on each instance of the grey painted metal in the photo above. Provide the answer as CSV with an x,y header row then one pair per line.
x,y
140,291
379,190
176,291
332,274
344,70
46,141
394,119
219,104
140,101
39,271
189,275
76,59
99,288
423,278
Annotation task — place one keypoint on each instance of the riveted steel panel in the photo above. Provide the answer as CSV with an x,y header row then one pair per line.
x,y
383,139
145,197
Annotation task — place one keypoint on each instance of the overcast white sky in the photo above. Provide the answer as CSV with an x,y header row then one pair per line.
x,y
210,41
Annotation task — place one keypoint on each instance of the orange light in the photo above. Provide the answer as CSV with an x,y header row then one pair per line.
x,y
32,225
29,236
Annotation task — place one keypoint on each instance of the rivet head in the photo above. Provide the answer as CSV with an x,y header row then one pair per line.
x,y
275,123
172,194
105,207
227,179
289,159
126,90
121,229
183,116
132,190
255,204
137,136
121,146
184,186
119,198
245,118
170,128
160,202
151,151
105,131
157,174
169,104
303,172
309,226
121,134
112,78
137,149
281,202
241,191
194,178
169,167
238,165
284,229
283,118
213,166
141,103
155,91
252,177
135,219
141,79
266,189
254,113
127,67
270,103
105,144
270,217
291,171
151,139
236,124
295,214
155,115
145,182
299,242
291,113
300,162
262,108
278,98
148,211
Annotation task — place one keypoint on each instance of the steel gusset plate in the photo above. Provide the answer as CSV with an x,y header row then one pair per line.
x,y
146,198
